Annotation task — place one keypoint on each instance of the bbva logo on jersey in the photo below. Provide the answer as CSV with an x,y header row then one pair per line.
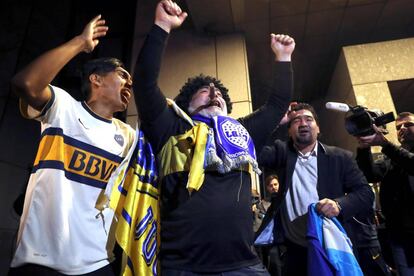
x,y
91,165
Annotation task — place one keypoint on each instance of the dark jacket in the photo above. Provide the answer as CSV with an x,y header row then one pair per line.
x,y
395,170
338,178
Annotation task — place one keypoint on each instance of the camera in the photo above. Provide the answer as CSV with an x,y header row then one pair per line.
x,y
359,120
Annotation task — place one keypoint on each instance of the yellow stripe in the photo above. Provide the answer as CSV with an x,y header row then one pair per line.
x,y
196,174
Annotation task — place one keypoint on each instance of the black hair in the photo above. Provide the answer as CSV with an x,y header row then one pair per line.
x,y
269,179
99,66
404,115
306,106
193,84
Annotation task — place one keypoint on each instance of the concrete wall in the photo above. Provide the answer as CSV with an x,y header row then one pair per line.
x,y
223,57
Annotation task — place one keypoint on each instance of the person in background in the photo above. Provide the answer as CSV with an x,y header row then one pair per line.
x,y
395,170
272,255
272,184
259,208
260,205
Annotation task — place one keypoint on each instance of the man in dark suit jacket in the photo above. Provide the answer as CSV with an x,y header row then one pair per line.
x,y
310,172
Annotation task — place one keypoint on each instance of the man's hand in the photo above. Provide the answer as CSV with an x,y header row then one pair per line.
x,y
328,207
376,139
282,46
94,30
31,83
169,15
286,117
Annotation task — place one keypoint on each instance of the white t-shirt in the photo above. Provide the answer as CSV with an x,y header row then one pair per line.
x,y
60,227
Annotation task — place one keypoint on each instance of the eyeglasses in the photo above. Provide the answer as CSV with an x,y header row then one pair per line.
x,y
406,125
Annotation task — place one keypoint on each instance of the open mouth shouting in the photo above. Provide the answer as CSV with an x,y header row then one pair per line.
x,y
216,103
125,96
208,101
304,131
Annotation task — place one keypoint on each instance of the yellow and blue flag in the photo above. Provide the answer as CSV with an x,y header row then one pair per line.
x,y
134,198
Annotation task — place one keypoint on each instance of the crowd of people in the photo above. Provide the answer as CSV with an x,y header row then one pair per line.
x,y
206,201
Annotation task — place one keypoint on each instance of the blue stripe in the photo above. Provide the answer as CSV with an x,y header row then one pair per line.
x,y
50,102
82,145
345,263
148,179
126,216
131,265
143,224
154,267
146,160
145,192
51,164
125,213
122,190
85,180
144,155
203,119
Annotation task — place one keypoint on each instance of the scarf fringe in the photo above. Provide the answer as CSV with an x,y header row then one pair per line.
x,y
225,163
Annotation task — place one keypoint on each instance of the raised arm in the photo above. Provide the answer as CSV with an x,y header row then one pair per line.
x,y
169,15
148,97
31,83
282,46
261,122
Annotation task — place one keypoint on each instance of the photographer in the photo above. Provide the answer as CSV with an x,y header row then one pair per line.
x,y
395,170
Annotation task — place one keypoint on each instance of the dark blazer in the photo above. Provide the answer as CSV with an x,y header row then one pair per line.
x,y
339,178
395,171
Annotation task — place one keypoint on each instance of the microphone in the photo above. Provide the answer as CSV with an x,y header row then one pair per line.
x,y
342,107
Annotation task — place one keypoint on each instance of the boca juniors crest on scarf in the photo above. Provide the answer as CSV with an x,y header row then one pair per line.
x,y
232,138
229,145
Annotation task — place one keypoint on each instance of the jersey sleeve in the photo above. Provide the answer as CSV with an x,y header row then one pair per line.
x,y
59,101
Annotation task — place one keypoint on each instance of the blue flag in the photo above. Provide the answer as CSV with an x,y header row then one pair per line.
x,y
329,248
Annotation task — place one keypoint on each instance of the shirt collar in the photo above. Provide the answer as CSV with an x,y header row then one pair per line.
x,y
313,152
